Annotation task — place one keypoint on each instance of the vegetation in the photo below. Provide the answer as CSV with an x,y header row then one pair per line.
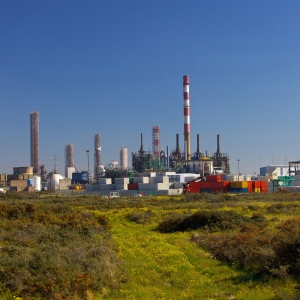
x,y
181,247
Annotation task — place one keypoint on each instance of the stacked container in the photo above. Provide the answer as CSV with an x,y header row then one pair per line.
x,y
195,187
239,187
256,186
220,186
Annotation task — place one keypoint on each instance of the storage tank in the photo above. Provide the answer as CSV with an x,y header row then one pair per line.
x,y
29,182
37,183
53,181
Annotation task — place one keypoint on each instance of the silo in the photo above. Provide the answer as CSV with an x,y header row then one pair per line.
x,y
124,158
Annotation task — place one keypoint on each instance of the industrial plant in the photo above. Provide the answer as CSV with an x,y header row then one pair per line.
x,y
156,171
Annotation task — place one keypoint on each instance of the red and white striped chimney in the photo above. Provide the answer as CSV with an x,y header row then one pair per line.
x,y
186,107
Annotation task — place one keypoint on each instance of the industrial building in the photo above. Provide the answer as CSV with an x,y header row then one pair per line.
x,y
181,161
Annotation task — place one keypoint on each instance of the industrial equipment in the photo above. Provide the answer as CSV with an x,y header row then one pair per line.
x,y
186,186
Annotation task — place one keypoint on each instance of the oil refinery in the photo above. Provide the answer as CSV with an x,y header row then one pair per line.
x,y
150,171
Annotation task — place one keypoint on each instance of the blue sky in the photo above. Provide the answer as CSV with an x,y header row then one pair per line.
x,y
116,67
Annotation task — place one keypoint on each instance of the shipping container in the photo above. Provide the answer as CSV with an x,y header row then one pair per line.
x,y
133,186
220,185
239,190
205,185
213,178
205,190
238,185
122,180
255,184
195,187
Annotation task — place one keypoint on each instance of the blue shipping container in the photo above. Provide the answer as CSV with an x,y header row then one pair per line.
x,y
205,191
238,190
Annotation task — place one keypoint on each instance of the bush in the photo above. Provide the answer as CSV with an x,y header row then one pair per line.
x,y
211,220
53,251
141,217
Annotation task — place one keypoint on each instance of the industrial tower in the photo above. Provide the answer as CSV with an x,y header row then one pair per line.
x,y
97,156
69,161
34,141
124,158
156,140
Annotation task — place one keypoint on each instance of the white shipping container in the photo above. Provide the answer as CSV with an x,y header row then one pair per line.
x,y
232,177
161,179
122,180
107,186
121,186
151,186
140,179
178,185
296,183
104,180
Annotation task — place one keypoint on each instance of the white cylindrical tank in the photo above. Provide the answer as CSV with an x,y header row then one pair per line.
x,y
37,183
53,181
124,158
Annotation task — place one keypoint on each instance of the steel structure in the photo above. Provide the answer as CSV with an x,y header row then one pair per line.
x,y
186,112
34,141
156,140
69,161
97,156
124,158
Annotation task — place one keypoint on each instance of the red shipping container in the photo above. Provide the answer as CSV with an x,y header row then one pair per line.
x,y
194,191
195,187
205,185
263,184
250,189
133,186
212,178
220,185
255,184
195,184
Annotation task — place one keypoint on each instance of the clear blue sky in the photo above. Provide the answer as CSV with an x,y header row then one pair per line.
x,y
116,67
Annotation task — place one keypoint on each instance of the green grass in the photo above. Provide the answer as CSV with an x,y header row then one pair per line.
x,y
169,265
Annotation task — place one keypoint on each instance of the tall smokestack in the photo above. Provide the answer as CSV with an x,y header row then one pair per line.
x,y
97,156
218,145
198,145
142,147
187,127
69,161
156,140
177,143
34,141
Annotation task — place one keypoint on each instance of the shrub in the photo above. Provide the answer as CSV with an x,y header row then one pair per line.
x,y
211,220
50,251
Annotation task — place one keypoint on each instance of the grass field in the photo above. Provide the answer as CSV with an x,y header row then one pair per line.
x,y
170,265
